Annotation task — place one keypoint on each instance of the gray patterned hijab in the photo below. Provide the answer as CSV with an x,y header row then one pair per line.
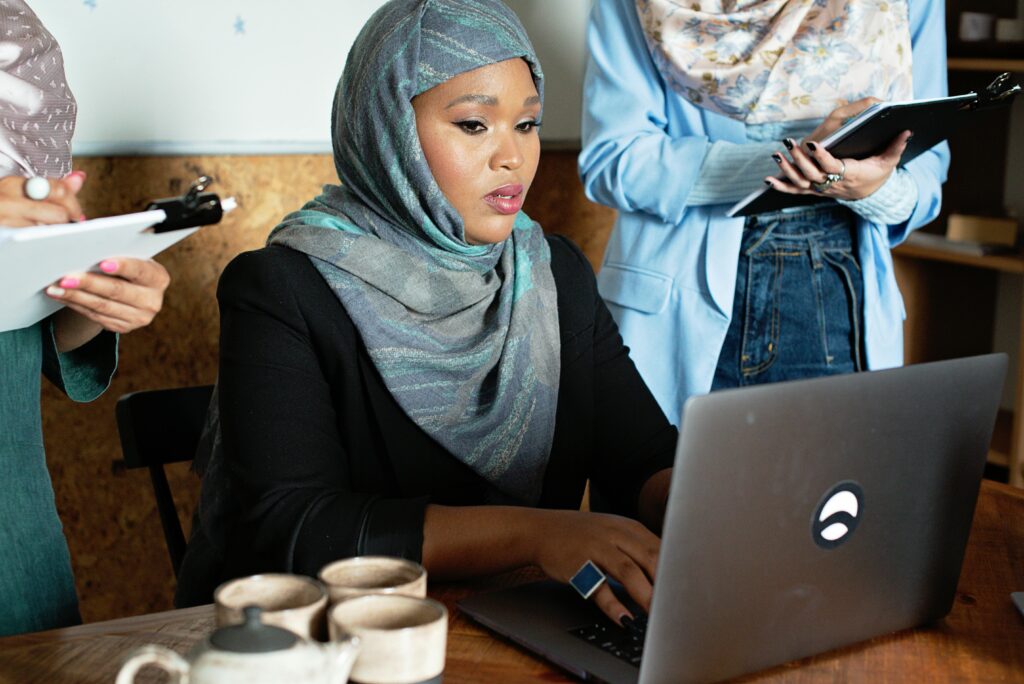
x,y
464,336
37,109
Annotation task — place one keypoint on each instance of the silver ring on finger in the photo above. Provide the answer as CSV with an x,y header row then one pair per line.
x,y
830,180
825,184
587,579
842,172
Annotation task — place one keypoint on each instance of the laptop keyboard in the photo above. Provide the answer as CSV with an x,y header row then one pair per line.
x,y
624,643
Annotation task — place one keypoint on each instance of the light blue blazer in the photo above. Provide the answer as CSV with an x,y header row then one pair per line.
x,y
669,271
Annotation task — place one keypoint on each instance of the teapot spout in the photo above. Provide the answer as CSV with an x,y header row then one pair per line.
x,y
341,656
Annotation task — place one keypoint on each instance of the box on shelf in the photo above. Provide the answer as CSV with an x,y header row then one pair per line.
x,y
982,229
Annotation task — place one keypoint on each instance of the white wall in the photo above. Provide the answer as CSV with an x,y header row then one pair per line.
x,y
249,76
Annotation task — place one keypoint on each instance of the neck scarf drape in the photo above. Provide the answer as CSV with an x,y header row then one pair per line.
x,y
37,109
763,61
465,337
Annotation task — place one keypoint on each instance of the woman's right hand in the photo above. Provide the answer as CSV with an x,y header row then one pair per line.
x,y
61,206
622,548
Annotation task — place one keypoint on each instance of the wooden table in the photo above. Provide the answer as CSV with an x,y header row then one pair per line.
x,y
982,640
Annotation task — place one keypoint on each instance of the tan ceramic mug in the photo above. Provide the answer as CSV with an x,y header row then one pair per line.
x,y
402,639
363,575
294,602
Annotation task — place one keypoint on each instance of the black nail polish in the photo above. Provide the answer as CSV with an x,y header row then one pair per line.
x,y
768,183
626,621
777,157
788,142
812,147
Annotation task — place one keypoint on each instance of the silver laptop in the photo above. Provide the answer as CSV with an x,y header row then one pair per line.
x,y
803,516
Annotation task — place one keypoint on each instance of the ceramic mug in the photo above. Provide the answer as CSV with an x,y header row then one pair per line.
x,y
975,26
294,602
402,639
350,577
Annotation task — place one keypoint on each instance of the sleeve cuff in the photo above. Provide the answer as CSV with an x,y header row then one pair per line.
x,y
83,373
730,172
394,527
891,204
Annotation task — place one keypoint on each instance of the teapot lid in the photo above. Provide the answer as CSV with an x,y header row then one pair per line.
x,y
252,636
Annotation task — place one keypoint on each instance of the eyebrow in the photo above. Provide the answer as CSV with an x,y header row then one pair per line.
x,y
488,100
479,99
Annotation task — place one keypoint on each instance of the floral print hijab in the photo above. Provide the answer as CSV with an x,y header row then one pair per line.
x,y
762,61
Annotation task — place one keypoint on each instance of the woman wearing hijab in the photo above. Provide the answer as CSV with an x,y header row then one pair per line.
x,y
410,368
689,107
75,348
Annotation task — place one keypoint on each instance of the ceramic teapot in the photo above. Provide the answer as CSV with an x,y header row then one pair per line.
x,y
249,653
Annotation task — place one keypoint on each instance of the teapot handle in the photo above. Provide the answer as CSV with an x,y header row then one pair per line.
x,y
164,658
342,656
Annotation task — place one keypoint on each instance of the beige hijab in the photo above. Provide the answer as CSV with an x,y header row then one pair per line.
x,y
37,109
763,61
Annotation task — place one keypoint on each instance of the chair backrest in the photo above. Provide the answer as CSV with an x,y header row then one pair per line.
x,y
159,427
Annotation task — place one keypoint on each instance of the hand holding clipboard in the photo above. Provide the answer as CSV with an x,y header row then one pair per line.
x,y
870,133
32,259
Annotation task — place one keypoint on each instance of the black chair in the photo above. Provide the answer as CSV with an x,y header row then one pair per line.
x,y
159,427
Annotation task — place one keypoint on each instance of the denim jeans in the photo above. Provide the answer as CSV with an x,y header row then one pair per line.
x,y
799,297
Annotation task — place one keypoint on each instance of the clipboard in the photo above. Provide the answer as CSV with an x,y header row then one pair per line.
x,y
871,131
32,259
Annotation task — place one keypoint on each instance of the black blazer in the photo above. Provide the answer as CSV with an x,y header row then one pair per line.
x,y
319,461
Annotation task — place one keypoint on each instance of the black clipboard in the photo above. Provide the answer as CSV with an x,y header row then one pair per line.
x,y
871,131
193,209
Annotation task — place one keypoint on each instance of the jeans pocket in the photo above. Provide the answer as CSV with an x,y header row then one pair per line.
x,y
843,330
760,339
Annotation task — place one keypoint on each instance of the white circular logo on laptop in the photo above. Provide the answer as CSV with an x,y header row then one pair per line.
x,y
837,515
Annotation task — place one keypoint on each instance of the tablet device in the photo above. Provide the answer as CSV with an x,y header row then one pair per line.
x,y
870,133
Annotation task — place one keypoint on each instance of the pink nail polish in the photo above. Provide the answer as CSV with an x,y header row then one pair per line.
x,y
78,174
108,266
69,283
82,217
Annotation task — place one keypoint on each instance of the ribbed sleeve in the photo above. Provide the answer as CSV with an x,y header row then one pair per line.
x,y
730,172
891,204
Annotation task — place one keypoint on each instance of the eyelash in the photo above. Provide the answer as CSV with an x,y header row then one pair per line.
x,y
471,127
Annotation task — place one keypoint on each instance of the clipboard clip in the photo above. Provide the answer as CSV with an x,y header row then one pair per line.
x,y
194,208
997,91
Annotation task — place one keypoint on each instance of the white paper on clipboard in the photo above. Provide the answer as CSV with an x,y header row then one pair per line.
x,y
32,259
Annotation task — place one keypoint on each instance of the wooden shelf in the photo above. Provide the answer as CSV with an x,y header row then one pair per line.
x,y
985,64
1008,263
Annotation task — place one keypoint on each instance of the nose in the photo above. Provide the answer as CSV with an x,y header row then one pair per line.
x,y
508,152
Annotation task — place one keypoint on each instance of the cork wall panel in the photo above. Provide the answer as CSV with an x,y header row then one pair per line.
x,y
117,548
110,519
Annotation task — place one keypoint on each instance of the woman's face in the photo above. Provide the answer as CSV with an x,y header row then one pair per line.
x,y
479,135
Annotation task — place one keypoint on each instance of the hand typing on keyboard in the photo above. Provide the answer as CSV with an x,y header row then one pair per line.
x,y
625,550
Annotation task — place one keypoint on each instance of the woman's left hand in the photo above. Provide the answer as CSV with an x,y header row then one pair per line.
x,y
805,173
126,296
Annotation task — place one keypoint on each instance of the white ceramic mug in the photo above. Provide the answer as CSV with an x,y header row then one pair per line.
x,y
402,639
363,575
294,602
